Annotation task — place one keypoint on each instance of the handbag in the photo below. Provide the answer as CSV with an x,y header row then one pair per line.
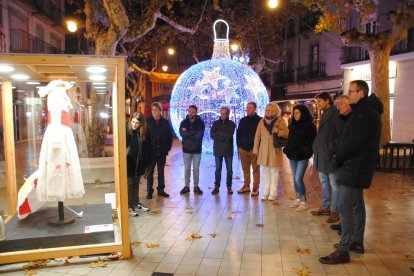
x,y
279,142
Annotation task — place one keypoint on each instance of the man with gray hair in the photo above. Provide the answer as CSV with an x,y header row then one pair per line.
x,y
222,133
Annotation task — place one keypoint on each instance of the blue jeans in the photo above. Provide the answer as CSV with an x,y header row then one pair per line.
x,y
188,159
158,161
298,168
329,184
229,169
352,213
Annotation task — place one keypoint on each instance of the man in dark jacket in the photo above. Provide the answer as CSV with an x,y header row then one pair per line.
x,y
245,140
222,133
161,143
324,148
356,156
192,132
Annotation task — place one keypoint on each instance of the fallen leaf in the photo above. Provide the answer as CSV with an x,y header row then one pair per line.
x,y
210,188
189,212
98,181
115,255
378,241
410,257
291,198
73,259
303,250
61,260
304,271
260,225
388,213
324,224
236,177
275,203
136,243
189,208
213,235
98,264
30,272
397,235
153,245
230,218
155,212
194,237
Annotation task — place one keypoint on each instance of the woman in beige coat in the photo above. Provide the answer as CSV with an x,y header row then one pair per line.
x,y
269,157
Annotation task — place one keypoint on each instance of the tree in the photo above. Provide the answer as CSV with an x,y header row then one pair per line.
x,y
334,16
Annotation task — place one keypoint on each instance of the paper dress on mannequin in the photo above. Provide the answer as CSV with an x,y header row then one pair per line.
x,y
60,174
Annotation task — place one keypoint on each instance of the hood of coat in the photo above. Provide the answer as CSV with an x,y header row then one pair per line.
x,y
372,101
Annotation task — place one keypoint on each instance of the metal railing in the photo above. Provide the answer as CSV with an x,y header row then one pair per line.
x,y
49,9
23,42
311,71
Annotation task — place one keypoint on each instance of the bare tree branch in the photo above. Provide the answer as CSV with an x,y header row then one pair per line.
x,y
175,24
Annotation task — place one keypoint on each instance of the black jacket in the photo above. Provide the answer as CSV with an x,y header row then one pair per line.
x,y
222,134
161,136
138,154
358,150
326,141
300,140
193,136
246,131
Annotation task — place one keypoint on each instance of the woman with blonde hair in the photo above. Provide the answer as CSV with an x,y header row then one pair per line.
x,y
269,157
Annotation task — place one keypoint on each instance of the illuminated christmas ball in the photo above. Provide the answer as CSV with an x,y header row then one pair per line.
x,y
213,84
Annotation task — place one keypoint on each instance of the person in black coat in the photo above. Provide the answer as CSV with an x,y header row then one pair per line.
x,y
138,155
161,143
356,157
245,141
298,150
192,132
222,133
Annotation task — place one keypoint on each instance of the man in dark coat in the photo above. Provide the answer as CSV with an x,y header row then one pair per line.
x,y
161,143
245,140
222,133
192,132
324,148
356,157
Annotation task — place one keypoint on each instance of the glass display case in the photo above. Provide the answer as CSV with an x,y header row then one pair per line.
x,y
62,158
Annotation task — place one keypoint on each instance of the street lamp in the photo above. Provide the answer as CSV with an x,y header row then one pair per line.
x,y
234,47
71,25
273,4
171,51
165,68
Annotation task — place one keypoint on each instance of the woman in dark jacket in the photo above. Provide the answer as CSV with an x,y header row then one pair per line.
x,y
298,150
138,157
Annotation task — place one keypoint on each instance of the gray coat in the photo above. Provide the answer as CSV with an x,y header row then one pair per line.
x,y
327,139
222,134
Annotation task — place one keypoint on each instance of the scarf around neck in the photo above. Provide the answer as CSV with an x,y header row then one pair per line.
x,y
268,123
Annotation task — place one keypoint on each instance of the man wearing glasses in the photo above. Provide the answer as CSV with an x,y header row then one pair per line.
x,y
356,157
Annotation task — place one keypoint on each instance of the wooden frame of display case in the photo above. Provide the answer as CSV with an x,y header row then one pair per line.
x,y
118,115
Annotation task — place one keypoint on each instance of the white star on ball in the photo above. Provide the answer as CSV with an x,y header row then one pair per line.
x,y
228,92
197,91
213,77
254,84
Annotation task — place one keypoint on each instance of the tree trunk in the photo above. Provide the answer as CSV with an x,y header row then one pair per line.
x,y
380,86
105,44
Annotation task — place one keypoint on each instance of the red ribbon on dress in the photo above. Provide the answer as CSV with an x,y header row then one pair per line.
x,y
76,118
64,118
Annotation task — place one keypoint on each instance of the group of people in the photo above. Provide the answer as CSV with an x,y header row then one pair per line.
x,y
344,149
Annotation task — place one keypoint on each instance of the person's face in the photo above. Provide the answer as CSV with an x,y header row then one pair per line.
x,y
192,112
156,113
250,110
343,106
354,94
297,115
322,104
269,112
223,114
135,123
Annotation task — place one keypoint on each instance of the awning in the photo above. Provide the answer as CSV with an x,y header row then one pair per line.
x,y
163,77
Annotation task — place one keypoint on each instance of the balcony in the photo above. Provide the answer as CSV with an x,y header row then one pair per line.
x,y
23,42
48,9
311,71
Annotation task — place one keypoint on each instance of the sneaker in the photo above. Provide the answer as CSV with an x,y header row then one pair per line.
x,y
229,191
197,190
321,212
295,203
141,207
334,217
245,189
255,192
303,206
185,190
132,212
265,197
215,191
163,194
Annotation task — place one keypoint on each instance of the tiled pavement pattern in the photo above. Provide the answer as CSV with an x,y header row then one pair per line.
x,y
241,247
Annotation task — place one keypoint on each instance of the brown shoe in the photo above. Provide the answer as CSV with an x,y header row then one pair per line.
x,y
255,192
337,257
356,247
245,189
229,191
321,212
334,217
215,191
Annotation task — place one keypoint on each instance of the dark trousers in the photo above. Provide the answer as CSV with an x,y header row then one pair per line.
x,y
158,161
229,169
133,191
352,213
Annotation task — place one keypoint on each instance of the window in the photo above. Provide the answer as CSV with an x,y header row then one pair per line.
x,y
314,57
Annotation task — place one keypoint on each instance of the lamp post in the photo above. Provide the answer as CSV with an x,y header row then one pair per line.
x,y
273,4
